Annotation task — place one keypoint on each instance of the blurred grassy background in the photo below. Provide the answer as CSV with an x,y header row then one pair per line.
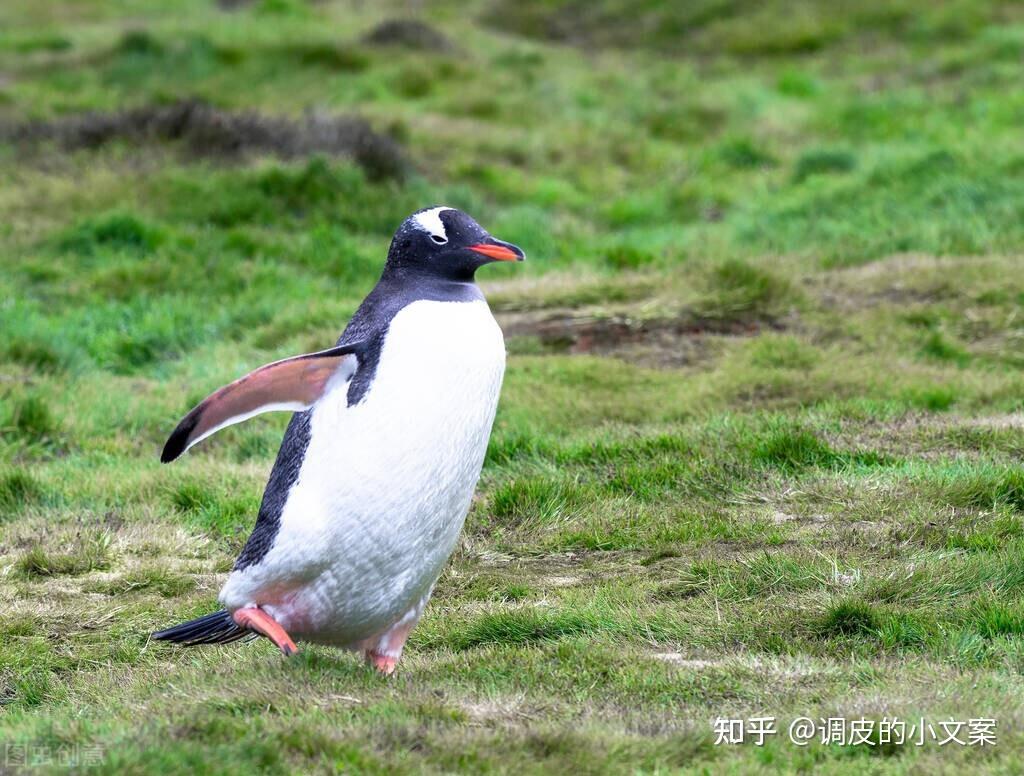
x,y
758,450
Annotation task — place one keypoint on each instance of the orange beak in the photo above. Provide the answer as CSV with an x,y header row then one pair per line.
x,y
498,251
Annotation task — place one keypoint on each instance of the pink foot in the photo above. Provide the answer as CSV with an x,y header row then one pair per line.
x,y
383,651
255,619
385,664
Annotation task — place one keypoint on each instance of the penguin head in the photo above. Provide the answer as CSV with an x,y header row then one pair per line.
x,y
447,243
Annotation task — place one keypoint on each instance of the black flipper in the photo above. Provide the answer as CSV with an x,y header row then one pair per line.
x,y
215,628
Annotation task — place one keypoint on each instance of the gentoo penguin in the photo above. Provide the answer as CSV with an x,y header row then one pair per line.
x,y
376,471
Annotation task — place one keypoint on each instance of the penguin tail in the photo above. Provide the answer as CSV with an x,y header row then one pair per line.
x,y
216,628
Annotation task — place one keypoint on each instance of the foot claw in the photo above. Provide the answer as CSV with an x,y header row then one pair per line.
x,y
255,619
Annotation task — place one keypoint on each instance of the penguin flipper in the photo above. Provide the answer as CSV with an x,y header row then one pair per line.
x,y
294,384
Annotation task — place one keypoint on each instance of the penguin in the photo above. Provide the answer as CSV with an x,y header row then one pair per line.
x,y
377,469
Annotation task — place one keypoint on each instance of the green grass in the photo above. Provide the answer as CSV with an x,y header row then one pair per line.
x,y
87,556
758,449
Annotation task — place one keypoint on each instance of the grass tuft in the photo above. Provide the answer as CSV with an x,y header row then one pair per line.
x,y
848,617
823,162
534,499
981,487
995,618
794,448
523,626
117,231
937,347
86,554
738,290
161,580
32,421
18,489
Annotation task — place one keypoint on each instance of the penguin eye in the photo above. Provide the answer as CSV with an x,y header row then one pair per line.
x,y
438,239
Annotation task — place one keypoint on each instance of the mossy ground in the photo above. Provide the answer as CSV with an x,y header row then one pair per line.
x,y
760,439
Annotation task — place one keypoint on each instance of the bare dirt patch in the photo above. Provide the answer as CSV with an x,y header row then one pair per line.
x,y
490,711
677,659
562,569
668,342
914,434
409,34
206,131
775,668
901,279
997,422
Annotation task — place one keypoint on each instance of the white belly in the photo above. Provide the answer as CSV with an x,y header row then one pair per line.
x,y
385,485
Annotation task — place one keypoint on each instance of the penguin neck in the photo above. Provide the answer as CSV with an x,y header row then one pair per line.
x,y
408,278
397,288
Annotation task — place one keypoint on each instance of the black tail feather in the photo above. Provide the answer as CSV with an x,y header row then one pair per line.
x,y
215,628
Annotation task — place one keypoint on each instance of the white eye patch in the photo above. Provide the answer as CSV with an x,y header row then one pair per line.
x,y
430,222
